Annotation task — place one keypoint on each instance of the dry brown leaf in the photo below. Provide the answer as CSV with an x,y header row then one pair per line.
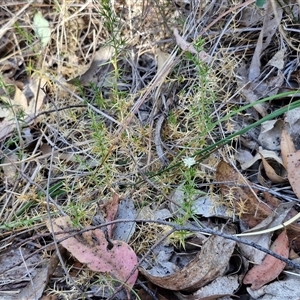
x,y
49,297
31,98
183,44
161,57
146,296
92,248
209,264
10,171
276,218
287,146
15,272
293,230
123,231
248,90
293,169
292,122
245,202
270,171
250,16
271,267
247,163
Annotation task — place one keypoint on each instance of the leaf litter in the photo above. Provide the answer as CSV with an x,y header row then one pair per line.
x,y
42,117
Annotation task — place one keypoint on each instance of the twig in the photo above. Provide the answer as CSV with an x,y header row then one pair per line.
x,y
151,294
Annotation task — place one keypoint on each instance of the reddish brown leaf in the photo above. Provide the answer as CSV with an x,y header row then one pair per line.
x,y
110,209
271,267
92,248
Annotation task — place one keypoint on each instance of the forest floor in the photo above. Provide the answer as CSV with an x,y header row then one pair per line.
x,y
149,149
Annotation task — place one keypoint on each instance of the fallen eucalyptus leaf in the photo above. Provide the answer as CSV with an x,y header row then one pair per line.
x,y
271,267
208,265
92,248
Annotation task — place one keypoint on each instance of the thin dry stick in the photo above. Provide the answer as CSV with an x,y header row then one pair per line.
x,y
177,227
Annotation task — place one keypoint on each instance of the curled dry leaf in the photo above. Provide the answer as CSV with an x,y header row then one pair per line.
x,y
209,264
92,248
272,169
246,160
271,267
244,198
99,64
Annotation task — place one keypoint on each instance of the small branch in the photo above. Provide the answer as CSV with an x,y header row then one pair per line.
x,y
192,228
